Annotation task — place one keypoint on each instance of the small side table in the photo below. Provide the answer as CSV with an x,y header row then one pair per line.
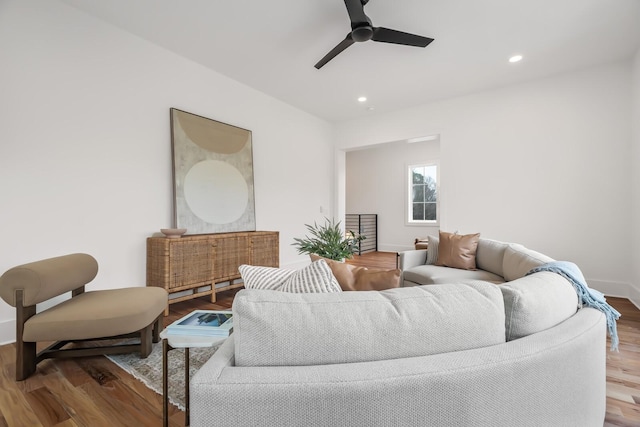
x,y
170,342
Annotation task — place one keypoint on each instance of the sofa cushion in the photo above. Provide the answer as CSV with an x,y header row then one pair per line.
x,y
518,260
95,314
433,274
279,329
457,250
354,278
537,302
490,256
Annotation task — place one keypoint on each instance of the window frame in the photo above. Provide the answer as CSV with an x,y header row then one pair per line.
x,y
409,194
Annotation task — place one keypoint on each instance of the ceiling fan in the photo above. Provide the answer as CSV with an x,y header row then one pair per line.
x,y
362,30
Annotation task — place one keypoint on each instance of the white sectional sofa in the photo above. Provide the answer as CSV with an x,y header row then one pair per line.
x,y
497,262
449,354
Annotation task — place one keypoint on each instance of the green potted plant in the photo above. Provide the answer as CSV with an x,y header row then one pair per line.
x,y
328,241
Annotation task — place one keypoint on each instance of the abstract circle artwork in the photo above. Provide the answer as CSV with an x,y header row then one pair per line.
x,y
212,175
216,191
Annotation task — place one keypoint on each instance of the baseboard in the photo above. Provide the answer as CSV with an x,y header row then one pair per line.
x,y
7,332
618,290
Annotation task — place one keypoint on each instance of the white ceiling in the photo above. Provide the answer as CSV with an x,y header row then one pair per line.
x,y
272,45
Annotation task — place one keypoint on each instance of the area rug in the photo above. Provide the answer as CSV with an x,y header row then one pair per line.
x,y
149,370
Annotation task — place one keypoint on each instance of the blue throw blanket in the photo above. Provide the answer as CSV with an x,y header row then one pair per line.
x,y
587,296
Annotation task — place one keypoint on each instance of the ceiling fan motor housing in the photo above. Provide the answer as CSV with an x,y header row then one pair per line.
x,y
362,34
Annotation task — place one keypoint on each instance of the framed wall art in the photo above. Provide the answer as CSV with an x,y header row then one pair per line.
x,y
212,175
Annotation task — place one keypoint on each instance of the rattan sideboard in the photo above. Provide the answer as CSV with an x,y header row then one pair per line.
x,y
204,264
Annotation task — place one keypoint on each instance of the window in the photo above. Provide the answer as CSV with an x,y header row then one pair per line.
x,y
423,194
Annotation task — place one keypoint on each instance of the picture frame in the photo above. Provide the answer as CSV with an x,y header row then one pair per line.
x,y
212,165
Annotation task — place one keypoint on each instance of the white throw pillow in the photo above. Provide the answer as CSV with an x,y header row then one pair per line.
x,y
314,278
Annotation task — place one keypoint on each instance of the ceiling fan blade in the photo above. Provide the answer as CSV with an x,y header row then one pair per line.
x,y
355,8
387,35
348,41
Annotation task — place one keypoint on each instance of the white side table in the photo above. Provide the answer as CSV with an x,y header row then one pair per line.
x,y
170,342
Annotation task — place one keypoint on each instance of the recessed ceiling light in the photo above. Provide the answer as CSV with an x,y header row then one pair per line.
x,y
362,99
515,58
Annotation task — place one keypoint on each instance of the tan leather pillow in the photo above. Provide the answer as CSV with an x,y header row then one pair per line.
x,y
458,251
376,280
344,272
353,278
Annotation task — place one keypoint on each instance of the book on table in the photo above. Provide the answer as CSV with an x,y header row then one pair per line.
x,y
210,323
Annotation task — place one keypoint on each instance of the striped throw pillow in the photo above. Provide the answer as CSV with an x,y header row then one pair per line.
x,y
432,249
314,278
258,277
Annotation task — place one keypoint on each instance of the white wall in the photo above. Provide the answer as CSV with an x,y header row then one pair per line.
x,y
376,181
85,148
634,293
545,164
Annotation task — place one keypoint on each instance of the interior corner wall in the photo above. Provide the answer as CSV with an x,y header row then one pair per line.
x,y
85,158
544,163
635,168
376,183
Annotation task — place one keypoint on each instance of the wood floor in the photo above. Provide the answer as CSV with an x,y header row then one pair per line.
x,y
88,392
94,392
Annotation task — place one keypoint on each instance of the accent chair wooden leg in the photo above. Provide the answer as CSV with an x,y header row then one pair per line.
x,y
157,328
25,360
26,352
145,341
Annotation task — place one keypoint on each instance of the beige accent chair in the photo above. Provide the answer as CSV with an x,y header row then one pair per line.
x,y
87,316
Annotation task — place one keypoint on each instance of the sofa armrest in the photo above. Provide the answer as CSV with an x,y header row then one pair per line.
x,y
408,259
224,357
